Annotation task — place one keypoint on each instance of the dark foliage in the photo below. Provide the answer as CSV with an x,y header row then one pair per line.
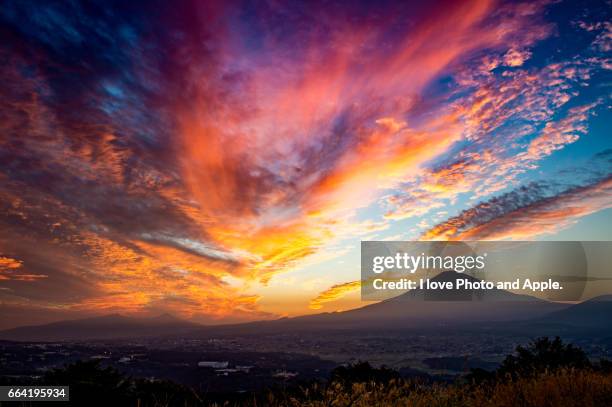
x,y
361,372
94,385
89,381
604,366
541,355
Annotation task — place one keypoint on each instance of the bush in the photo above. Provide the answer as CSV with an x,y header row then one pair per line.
x,y
94,385
543,355
361,372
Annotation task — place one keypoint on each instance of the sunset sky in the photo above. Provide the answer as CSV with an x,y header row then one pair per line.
x,y
222,161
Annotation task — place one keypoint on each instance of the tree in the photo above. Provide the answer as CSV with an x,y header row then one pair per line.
x,y
542,355
92,384
361,372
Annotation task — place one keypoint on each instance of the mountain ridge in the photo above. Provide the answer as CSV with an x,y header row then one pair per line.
x,y
415,309
109,326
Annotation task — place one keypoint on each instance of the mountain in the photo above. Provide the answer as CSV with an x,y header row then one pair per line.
x,y
113,326
416,309
595,313
453,307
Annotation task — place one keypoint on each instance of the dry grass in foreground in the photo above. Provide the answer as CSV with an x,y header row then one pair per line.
x,y
564,387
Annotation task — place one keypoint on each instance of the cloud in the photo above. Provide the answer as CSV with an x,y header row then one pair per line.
x,y
280,157
9,270
527,212
147,157
333,293
516,57
557,135
6,263
603,40
511,124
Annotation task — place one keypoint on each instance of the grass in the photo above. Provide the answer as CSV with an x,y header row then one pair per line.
x,y
561,388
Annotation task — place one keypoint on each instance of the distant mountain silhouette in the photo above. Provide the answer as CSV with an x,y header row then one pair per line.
x,y
113,326
458,306
415,309
595,313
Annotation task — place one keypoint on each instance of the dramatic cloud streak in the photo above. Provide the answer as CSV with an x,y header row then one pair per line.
x,y
333,293
529,211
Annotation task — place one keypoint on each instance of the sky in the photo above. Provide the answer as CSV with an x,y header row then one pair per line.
x,y
222,161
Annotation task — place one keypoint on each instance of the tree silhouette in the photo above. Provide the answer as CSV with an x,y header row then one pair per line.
x,y
94,385
361,372
542,355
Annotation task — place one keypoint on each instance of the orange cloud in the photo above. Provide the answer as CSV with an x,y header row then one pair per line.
x,y
10,269
516,57
333,293
6,263
281,160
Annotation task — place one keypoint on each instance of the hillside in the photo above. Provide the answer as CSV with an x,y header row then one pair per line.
x,y
113,326
416,309
594,313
